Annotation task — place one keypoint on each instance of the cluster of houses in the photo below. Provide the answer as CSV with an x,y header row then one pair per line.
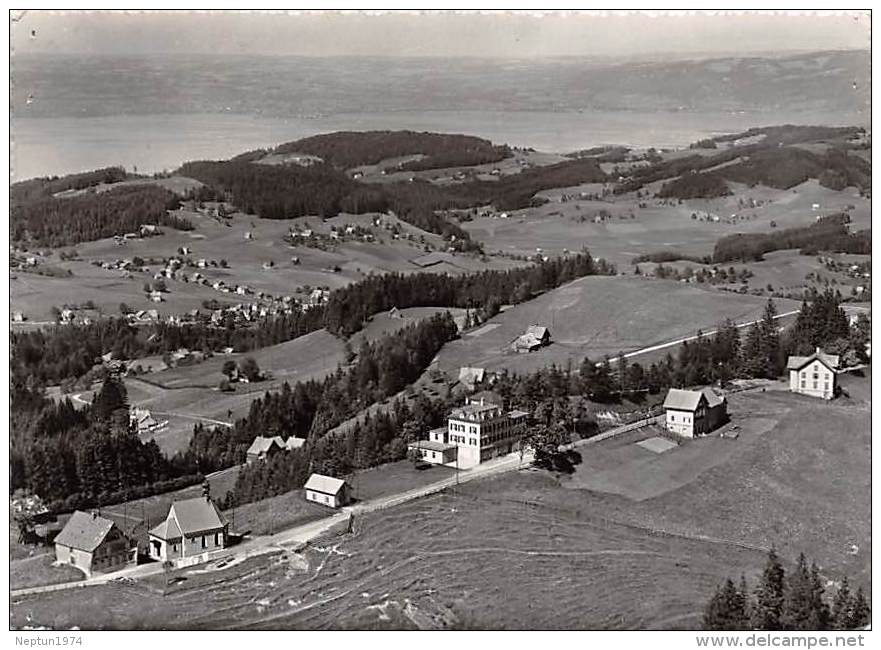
x,y
263,447
145,230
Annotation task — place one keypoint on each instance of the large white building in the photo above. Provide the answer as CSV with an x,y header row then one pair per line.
x,y
475,432
813,375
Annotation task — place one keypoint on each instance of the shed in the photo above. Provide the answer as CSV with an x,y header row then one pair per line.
x,y
327,490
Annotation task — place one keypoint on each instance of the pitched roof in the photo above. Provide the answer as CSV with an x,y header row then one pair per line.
x,y
713,398
84,531
538,331
528,340
831,361
324,484
683,400
262,445
193,516
294,443
167,530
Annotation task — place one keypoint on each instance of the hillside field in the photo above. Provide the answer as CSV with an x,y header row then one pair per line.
x,y
560,558
600,315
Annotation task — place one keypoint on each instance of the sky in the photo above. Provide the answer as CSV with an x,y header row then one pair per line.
x,y
440,35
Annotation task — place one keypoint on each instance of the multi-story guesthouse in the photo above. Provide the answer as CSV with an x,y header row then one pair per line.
x,y
193,528
476,432
814,375
93,543
691,413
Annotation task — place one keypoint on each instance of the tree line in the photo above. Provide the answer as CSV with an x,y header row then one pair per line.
x,y
41,188
78,458
311,409
786,600
50,221
66,352
347,149
827,234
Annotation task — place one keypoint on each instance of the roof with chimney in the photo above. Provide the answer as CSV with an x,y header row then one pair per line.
x,y
188,518
831,361
84,531
263,445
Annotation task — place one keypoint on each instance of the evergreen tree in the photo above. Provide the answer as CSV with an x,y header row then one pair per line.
x,y
859,612
842,606
768,607
798,603
726,609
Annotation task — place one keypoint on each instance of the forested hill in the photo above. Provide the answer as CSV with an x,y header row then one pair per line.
x,y
347,149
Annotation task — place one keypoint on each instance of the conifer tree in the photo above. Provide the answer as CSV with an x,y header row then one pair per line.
x,y
726,610
768,607
841,607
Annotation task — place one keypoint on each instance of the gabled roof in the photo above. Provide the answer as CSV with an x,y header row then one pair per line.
x,y
294,443
189,517
84,531
262,445
683,400
324,484
713,398
831,361
538,331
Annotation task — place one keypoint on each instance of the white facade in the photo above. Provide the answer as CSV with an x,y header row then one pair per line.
x,y
815,379
482,432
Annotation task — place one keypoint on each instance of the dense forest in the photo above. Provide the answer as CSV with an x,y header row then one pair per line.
x,y
349,307
80,458
310,409
695,185
41,188
66,221
347,149
770,161
827,234
786,600
63,353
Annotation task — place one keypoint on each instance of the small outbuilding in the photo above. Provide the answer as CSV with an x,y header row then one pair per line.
x,y
327,490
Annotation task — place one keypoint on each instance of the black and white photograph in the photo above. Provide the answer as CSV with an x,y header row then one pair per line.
x,y
482,320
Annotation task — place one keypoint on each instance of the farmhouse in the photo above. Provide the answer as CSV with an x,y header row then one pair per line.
x,y
814,375
692,413
326,490
142,420
91,542
536,337
477,431
148,230
262,448
192,528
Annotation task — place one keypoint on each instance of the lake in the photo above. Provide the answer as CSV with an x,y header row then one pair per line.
x,y
62,145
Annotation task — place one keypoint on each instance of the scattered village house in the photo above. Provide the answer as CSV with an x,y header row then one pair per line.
x,y
691,413
535,337
192,528
475,432
142,420
93,543
326,490
294,443
814,375
262,448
